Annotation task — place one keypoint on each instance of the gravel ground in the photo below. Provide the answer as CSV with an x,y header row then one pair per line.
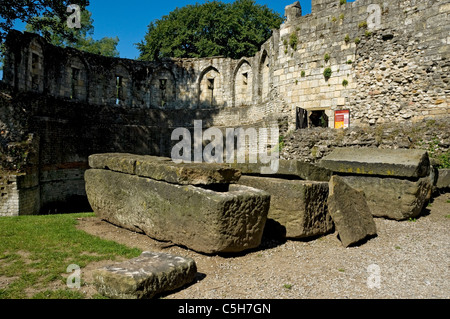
x,y
406,260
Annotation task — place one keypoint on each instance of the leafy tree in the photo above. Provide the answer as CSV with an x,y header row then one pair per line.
x,y
214,28
26,10
78,38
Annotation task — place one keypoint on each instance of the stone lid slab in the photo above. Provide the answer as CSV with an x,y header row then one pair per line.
x,y
145,276
164,169
383,162
304,170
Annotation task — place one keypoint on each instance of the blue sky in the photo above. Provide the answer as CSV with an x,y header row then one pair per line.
x,y
128,19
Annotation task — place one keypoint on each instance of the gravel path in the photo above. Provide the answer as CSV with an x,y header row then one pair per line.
x,y
409,259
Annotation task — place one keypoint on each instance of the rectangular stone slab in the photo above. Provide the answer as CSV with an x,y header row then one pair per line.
x,y
145,277
374,161
443,181
393,198
200,219
164,169
299,207
303,170
350,212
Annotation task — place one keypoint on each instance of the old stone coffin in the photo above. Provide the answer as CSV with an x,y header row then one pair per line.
x,y
298,193
397,183
297,208
193,205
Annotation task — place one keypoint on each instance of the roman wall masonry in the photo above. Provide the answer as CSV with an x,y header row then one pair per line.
x,y
383,60
387,60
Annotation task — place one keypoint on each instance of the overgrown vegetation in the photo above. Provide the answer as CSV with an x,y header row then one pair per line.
x,y
293,41
35,252
347,39
327,73
362,25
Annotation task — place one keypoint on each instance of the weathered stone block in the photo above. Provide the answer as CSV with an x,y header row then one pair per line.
x,y
350,212
373,161
443,181
304,170
201,219
297,206
145,277
393,198
164,169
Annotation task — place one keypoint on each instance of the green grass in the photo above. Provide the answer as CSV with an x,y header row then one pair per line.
x,y
287,286
35,252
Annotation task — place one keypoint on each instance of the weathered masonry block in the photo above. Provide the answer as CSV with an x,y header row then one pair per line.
x,y
19,194
216,218
297,208
397,183
350,212
145,277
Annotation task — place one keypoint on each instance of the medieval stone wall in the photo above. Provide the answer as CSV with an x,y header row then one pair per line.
x,y
389,62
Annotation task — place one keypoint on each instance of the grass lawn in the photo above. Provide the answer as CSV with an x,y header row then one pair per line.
x,y
35,252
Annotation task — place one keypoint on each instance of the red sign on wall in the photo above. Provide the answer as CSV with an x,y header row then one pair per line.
x,y
342,119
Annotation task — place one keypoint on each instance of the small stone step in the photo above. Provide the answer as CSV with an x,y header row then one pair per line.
x,y
145,277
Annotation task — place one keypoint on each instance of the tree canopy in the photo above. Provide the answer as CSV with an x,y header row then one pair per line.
x,y
214,28
25,11
80,39
48,18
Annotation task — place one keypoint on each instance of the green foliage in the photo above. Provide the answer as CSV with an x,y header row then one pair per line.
x,y
51,13
347,39
334,19
444,160
80,39
303,74
349,62
326,58
435,151
214,28
327,73
36,250
293,40
368,33
344,83
342,2
341,16
357,41
362,25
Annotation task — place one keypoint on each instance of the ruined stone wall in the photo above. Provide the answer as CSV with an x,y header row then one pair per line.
x,y
392,55
389,62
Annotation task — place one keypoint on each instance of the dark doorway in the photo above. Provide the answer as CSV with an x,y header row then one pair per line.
x,y
301,119
318,119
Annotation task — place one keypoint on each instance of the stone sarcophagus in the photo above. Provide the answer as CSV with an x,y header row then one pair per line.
x,y
198,206
397,183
